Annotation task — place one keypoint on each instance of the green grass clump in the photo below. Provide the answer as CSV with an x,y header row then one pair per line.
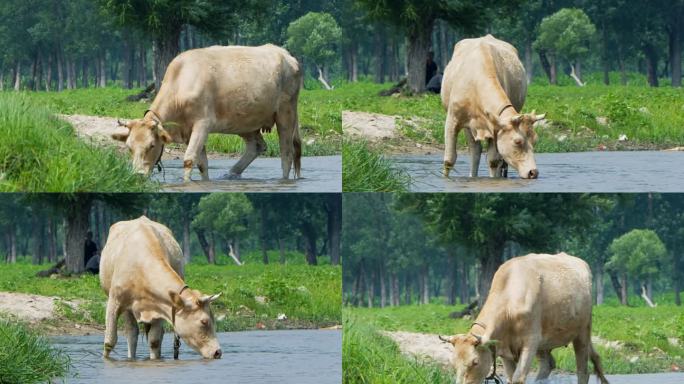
x,y
39,152
320,117
644,335
368,357
28,358
364,170
579,118
310,297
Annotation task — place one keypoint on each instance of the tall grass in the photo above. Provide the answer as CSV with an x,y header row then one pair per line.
x,y
319,117
253,295
40,153
28,358
370,358
364,170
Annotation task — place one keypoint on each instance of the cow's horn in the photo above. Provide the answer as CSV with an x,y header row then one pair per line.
x,y
444,340
121,124
541,117
478,338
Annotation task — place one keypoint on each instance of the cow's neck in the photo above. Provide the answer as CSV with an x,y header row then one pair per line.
x,y
159,294
493,101
488,321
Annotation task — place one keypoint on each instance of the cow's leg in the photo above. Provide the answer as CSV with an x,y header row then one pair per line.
x,y
450,136
524,363
475,153
509,368
582,350
254,146
286,121
203,164
155,337
494,159
111,316
546,365
132,332
198,138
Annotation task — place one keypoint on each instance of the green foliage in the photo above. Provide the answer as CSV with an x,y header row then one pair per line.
x,y
310,297
39,152
568,33
640,253
314,36
224,213
364,170
26,357
368,357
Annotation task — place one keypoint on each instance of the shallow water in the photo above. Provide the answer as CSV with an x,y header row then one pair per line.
x,y
639,171
297,356
649,378
319,174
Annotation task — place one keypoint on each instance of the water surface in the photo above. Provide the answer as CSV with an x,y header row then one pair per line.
x,y
296,356
638,171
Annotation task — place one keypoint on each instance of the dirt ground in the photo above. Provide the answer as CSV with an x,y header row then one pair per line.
x,y
423,346
98,130
40,312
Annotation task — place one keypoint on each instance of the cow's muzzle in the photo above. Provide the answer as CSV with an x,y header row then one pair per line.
x,y
217,354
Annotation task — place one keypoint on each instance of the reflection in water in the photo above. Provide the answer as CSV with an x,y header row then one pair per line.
x,y
639,171
319,174
301,356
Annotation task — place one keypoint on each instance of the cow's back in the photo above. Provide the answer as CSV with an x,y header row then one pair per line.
x,y
136,247
475,64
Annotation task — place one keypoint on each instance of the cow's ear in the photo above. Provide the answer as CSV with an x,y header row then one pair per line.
x,y
176,300
209,299
540,117
121,136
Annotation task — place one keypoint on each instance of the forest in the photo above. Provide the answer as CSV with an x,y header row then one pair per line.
x,y
402,249
211,228
65,44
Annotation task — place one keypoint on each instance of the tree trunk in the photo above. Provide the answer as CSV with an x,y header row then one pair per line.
x,y
528,60
60,70
52,239
17,76
676,47
38,239
464,297
127,68
2,78
321,78
425,287
212,249
34,72
489,263
624,291
395,289
167,48
354,62
444,46
370,288
407,289
12,243
102,59
574,73
334,227
453,271
554,69
186,238
651,64
84,73
48,74
419,43
379,54
263,235
142,66
383,287
546,66
204,244
646,297
78,222
599,283
309,234
69,78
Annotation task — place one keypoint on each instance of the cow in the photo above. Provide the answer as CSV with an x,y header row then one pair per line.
x,y
141,271
483,89
536,303
234,90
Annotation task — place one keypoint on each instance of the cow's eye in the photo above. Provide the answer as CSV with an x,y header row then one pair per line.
x,y
205,322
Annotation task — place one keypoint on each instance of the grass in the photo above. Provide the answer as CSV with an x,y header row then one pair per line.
x,y
320,117
26,357
38,152
365,170
643,334
580,119
252,295
368,357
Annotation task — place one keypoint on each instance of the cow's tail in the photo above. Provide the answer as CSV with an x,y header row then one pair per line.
x,y
596,361
297,142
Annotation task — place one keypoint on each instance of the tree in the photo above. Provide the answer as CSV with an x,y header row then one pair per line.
x,y
567,33
315,36
417,19
639,253
164,20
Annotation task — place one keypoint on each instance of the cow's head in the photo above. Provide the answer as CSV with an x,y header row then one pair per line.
x,y
472,358
515,141
145,139
194,322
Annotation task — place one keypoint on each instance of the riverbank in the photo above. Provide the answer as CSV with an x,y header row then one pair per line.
x,y
403,340
254,297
